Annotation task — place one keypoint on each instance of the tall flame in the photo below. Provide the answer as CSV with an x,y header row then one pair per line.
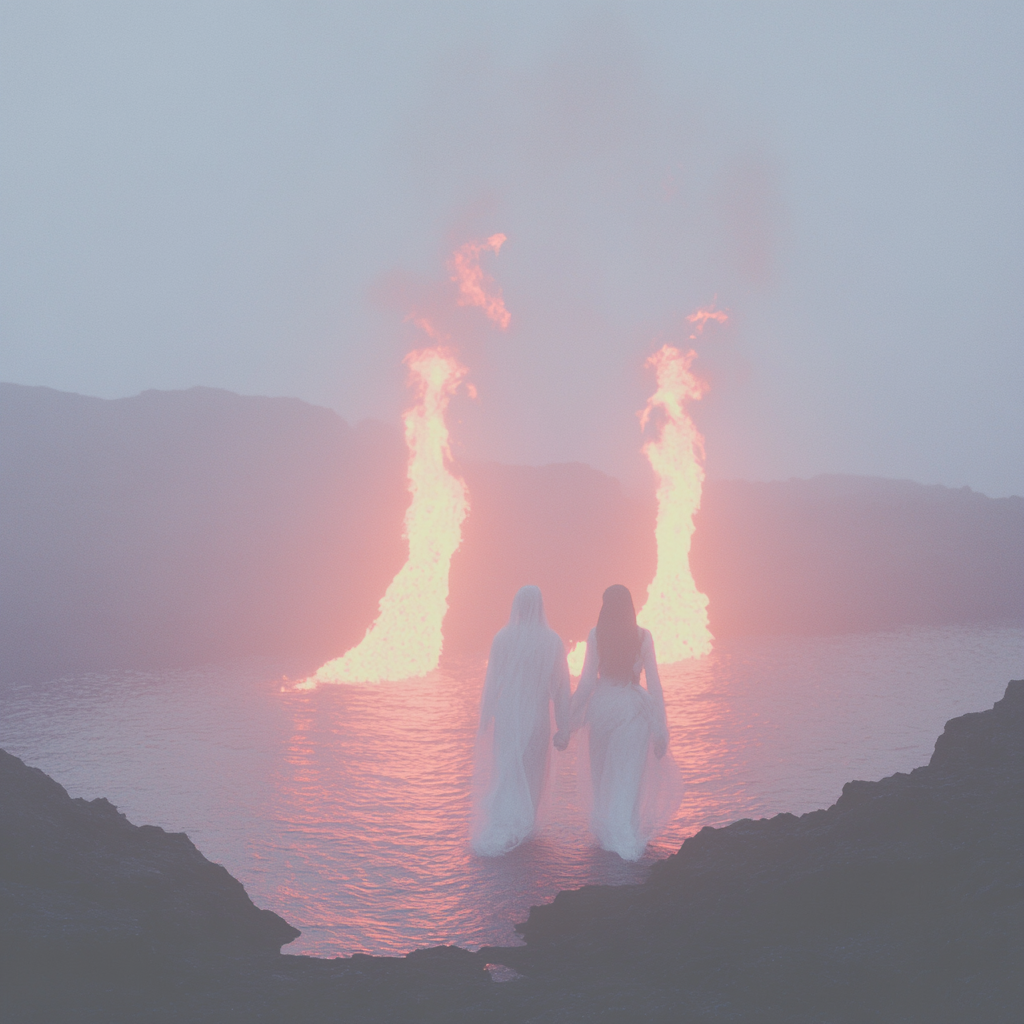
x,y
475,287
405,640
676,612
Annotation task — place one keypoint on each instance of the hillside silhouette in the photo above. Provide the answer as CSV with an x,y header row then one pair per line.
x,y
190,527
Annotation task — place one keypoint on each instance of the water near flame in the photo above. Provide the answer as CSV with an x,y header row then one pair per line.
x,y
405,640
475,287
676,612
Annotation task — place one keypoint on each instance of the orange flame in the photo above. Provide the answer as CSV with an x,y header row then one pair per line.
x,y
676,612
474,284
406,640
702,316
576,657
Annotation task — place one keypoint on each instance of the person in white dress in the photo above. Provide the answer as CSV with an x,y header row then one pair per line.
x,y
633,785
526,674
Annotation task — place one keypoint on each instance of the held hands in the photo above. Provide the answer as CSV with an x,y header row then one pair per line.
x,y
561,739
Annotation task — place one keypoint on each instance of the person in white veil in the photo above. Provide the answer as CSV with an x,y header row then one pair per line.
x,y
633,783
526,674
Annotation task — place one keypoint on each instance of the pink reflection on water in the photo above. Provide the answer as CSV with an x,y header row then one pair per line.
x,y
374,786
381,777
346,810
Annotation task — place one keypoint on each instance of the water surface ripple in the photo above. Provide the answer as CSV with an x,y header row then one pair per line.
x,y
345,809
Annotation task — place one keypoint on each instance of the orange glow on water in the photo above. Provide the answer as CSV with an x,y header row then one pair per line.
x,y
405,640
676,612
576,658
475,287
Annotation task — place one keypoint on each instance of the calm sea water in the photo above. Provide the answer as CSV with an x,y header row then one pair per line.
x,y
345,810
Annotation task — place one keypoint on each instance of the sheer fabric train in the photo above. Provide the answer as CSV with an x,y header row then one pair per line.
x,y
526,674
630,792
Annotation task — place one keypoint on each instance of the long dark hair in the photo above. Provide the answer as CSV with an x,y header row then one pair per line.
x,y
618,639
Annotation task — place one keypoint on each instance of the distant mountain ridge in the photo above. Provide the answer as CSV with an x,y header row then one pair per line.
x,y
177,528
839,553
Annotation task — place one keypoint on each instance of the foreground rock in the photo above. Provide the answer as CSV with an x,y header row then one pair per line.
x,y
81,883
901,903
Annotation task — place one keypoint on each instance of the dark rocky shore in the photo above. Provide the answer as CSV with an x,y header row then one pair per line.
x,y
903,902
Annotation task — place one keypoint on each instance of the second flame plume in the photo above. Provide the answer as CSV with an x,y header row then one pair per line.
x,y
676,612
576,657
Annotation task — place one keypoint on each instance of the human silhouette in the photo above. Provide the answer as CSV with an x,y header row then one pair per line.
x,y
634,784
526,673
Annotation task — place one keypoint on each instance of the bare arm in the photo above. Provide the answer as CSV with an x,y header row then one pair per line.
x,y
653,681
588,680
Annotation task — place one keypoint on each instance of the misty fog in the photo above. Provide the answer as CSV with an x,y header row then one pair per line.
x,y
246,198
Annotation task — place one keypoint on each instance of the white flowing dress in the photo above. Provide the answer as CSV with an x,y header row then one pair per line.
x,y
526,674
632,794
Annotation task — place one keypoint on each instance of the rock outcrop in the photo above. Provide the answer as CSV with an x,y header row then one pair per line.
x,y
79,883
902,901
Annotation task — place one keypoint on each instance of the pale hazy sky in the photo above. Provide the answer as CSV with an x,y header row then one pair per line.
x,y
246,195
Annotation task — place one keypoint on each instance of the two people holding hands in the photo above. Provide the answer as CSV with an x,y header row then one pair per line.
x,y
628,784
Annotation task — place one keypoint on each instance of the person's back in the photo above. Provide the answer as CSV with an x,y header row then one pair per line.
x,y
631,786
526,671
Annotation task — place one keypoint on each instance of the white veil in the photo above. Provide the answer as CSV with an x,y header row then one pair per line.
x,y
525,671
522,656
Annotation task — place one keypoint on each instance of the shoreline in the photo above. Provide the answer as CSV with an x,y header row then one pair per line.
x,y
881,904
